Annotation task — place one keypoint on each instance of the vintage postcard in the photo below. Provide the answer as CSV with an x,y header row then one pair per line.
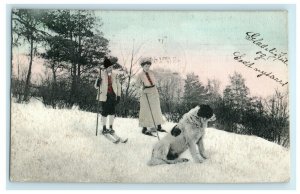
x,y
104,96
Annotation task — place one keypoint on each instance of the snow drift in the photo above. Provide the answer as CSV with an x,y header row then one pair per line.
x,y
59,145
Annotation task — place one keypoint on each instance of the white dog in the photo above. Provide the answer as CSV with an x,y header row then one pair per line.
x,y
187,134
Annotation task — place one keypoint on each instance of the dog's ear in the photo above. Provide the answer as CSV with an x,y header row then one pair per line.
x,y
175,131
205,111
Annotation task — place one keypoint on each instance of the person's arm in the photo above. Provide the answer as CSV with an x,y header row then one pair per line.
x,y
152,76
97,83
118,93
118,86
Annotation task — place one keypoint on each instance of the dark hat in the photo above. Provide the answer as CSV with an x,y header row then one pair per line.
x,y
144,61
107,63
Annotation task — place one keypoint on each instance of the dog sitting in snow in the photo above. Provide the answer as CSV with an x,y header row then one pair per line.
x,y
187,134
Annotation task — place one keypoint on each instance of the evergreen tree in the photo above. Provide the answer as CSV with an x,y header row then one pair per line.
x,y
234,104
194,92
213,88
85,45
237,93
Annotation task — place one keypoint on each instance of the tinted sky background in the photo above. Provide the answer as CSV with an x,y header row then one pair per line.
x,y
203,42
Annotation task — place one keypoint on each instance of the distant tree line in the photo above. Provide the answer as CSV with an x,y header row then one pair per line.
x,y
236,110
72,46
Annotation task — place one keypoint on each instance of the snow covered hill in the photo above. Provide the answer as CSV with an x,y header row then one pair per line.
x,y
59,145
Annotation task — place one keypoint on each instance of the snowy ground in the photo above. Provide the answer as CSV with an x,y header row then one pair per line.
x,y
59,145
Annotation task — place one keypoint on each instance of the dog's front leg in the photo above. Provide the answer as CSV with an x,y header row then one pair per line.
x,y
201,148
195,153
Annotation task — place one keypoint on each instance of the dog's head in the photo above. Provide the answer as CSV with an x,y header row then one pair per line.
x,y
205,111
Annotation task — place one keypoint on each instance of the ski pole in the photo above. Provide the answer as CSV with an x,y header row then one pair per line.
x,y
98,104
152,116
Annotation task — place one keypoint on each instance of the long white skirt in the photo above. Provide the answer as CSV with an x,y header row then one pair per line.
x,y
145,116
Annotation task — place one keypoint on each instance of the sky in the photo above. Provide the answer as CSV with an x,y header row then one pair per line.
x,y
203,42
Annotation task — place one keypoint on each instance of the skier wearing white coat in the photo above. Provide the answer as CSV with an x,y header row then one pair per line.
x,y
110,92
150,114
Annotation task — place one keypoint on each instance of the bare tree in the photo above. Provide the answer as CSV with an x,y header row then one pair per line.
x,y
278,112
130,66
19,78
170,86
26,25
